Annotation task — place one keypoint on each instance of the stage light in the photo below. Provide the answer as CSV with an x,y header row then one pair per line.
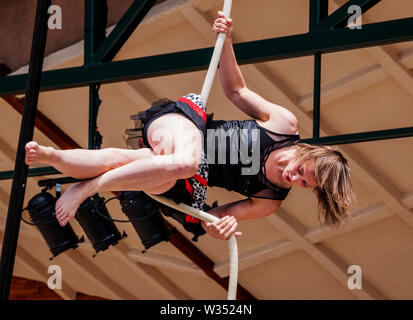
x,y
145,216
42,214
95,220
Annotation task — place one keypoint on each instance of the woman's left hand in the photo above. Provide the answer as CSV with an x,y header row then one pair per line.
x,y
223,228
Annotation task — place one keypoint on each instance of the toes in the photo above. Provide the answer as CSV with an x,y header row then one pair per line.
x,y
31,146
66,220
31,152
29,160
64,217
59,211
61,217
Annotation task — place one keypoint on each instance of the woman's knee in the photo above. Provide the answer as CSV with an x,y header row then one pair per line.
x,y
115,157
161,189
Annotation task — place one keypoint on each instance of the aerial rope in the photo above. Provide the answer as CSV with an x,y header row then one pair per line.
x,y
232,243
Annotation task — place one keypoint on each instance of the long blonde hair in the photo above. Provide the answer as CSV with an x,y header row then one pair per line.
x,y
334,188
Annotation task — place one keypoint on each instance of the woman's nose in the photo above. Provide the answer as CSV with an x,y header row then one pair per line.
x,y
295,178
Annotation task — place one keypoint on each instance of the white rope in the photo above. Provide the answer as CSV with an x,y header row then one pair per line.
x,y
232,243
209,79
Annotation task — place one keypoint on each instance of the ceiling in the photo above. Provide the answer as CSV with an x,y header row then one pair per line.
x,y
287,255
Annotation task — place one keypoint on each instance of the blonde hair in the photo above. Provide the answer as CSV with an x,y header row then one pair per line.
x,y
333,175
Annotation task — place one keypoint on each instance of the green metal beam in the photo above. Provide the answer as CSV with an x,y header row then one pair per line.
x,y
194,60
330,140
95,21
318,12
96,12
35,172
363,136
18,188
339,18
124,28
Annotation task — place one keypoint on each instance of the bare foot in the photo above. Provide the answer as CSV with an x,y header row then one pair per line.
x,y
69,202
36,153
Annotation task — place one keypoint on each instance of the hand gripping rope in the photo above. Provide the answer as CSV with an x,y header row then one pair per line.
x,y
232,243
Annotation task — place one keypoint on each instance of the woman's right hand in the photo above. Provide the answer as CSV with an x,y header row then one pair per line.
x,y
223,228
222,24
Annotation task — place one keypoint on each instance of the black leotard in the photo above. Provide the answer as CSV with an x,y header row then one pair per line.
x,y
229,176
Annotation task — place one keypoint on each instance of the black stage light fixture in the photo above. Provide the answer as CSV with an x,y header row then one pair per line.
x,y
95,220
145,216
42,214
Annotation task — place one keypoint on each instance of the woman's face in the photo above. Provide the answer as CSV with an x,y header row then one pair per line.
x,y
300,174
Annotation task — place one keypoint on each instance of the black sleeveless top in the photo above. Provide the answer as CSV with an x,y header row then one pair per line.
x,y
234,162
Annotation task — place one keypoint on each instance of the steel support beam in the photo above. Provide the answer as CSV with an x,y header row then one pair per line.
x,y
318,11
11,232
124,28
363,136
193,60
96,12
35,172
339,18
331,140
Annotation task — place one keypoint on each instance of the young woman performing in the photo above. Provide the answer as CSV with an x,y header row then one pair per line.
x,y
175,159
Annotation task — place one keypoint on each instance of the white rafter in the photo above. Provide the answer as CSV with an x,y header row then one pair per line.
x,y
39,270
152,275
356,81
387,57
96,275
161,260
331,263
276,249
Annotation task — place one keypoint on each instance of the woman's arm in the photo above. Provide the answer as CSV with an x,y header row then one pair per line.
x,y
236,90
230,213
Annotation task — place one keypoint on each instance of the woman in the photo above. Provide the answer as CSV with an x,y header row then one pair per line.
x,y
173,133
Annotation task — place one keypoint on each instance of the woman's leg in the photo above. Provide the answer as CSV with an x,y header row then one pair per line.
x,y
177,144
83,163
